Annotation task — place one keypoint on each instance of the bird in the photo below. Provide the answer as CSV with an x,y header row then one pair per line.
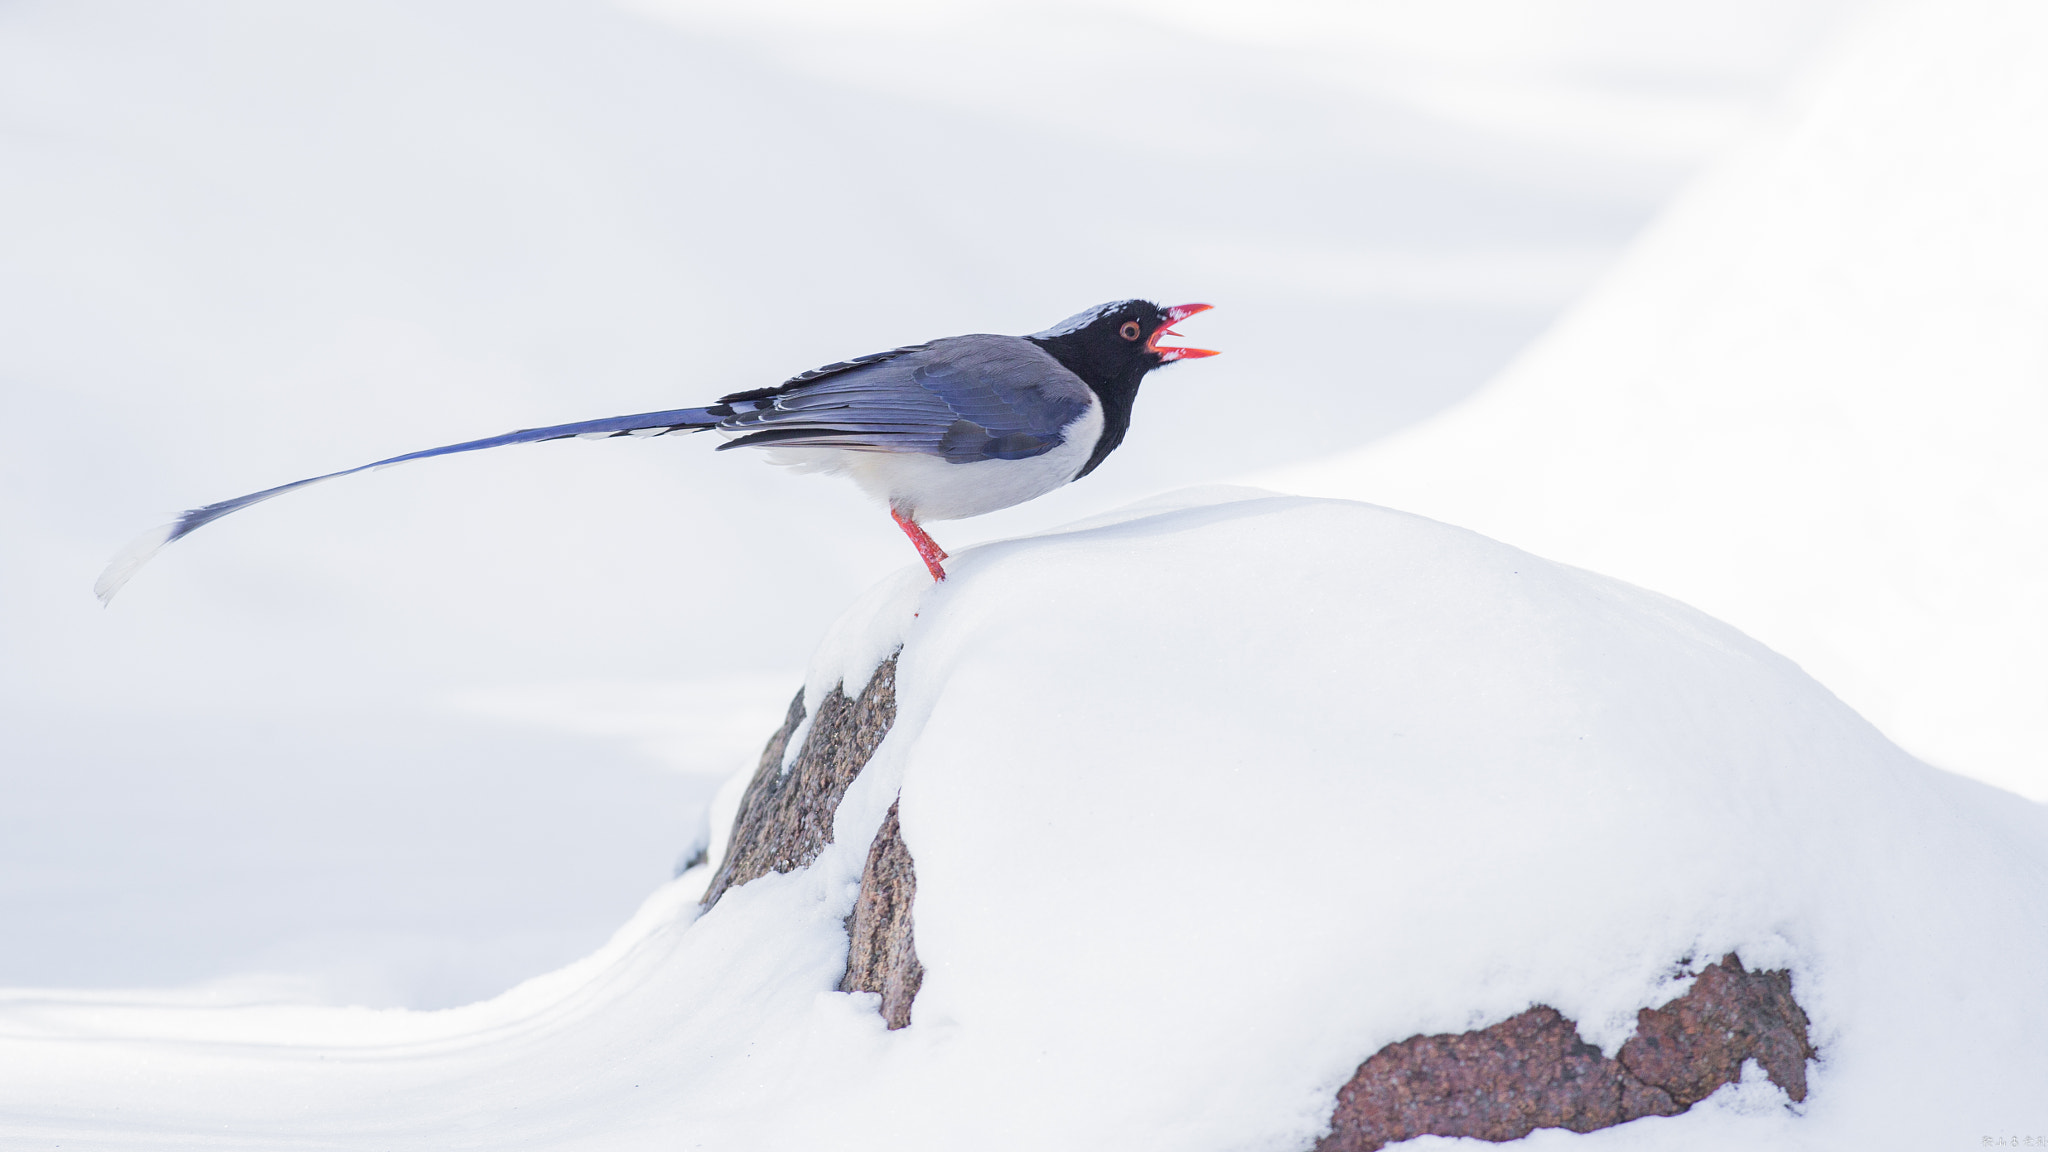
x,y
943,430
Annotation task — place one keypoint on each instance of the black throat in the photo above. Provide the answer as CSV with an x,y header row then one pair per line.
x,y
1114,380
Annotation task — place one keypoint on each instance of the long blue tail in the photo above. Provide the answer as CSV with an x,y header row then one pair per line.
x,y
137,553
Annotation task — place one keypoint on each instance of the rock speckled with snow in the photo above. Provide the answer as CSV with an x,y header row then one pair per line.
x,y
881,954
1698,1042
785,819
1532,1071
785,816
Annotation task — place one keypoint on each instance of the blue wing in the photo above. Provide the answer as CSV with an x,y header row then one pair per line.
x,y
964,399
138,551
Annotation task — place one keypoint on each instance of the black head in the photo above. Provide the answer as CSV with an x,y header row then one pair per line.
x,y
1111,347
1114,345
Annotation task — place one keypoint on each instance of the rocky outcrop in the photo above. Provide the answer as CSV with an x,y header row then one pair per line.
x,y
1532,1071
1698,1042
1500,1083
881,954
785,821
785,818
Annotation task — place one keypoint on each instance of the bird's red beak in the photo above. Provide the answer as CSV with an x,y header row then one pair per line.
x,y
1175,315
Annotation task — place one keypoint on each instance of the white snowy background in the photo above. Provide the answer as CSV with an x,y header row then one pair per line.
x,y
1211,796
1813,400
407,739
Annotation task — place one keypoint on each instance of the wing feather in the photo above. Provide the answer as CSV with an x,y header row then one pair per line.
x,y
964,399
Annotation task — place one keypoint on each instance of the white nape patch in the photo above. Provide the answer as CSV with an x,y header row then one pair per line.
x,y
1080,320
130,560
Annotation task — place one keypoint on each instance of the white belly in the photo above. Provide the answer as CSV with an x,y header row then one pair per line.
x,y
929,488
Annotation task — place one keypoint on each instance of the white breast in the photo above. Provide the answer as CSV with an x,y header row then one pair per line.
x,y
928,488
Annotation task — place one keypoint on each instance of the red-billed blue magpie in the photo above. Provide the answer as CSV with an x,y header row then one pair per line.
x,y
940,431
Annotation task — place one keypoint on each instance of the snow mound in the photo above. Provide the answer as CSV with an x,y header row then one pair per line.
x,y
1208,804
1811,400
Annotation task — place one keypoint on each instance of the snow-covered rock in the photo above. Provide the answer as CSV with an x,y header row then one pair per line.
x,y
1812,400
1209,801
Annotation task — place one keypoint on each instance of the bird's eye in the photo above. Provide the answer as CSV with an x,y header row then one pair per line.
x,y
1129,331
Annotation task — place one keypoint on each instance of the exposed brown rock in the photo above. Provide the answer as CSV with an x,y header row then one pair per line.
x,y
785,821
882,952
1532,1071
1527,1072
1698,1042
785,818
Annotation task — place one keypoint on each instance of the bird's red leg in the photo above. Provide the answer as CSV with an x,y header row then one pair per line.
x,y
927,548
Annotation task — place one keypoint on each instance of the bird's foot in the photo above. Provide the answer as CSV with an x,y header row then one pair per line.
x,y
927,548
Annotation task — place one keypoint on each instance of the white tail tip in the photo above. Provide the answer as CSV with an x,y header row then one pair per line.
x,y
130,560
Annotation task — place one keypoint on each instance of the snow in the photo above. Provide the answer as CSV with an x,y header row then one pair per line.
x,y
402,738
1210,797
1810,401
1209,800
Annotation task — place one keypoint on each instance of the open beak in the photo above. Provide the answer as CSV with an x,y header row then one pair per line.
x,y
1175,315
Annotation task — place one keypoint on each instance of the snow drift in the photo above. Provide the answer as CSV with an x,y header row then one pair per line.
x,y
1209,800
1811,400
243,242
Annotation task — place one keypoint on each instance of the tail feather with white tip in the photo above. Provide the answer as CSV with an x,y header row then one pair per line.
x,y
138,552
